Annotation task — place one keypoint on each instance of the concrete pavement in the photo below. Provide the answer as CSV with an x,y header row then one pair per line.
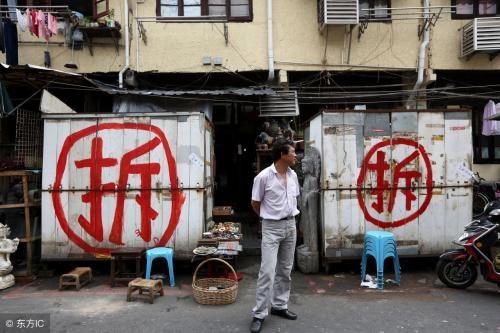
x,y
324,303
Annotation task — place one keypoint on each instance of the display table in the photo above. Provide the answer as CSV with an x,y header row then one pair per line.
x,y
223,252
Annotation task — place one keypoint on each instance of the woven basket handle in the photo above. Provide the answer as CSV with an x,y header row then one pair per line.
x,y
214,259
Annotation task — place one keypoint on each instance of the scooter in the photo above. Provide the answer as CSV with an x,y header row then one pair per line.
x,y
457,268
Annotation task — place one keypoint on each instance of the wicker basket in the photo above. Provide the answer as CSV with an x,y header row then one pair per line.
x,y
226,292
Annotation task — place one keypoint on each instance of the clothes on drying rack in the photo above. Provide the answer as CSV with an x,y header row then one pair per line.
x,y
34,22
11,45
40,23
2,39
490,127
52,24
22,20
12,10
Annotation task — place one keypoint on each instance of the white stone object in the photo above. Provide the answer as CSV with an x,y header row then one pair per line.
x,y
7,246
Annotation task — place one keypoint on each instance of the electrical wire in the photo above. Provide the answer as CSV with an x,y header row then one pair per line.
x,y
322,95
322,98
232,46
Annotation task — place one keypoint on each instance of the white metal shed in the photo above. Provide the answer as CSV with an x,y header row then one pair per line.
x,y
125,179
399,171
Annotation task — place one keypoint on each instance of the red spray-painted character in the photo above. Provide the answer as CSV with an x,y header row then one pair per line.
x,y
96,163
380,168
97,190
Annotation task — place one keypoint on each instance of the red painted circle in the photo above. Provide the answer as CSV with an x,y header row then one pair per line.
x,y
177,196
364,169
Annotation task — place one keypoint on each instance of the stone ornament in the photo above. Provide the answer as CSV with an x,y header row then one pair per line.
x,y
7,247
307,253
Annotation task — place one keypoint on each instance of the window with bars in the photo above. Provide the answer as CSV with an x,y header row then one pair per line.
x,y
467,9
232,10
486,148
93,8
374,9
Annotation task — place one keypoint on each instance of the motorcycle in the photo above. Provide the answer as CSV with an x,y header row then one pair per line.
x,y
457,268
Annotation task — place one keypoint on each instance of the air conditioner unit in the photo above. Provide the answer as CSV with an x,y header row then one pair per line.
x,y
338,11
482,34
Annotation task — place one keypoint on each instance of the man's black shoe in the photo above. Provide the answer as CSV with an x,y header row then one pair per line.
x,y
284,313
256,325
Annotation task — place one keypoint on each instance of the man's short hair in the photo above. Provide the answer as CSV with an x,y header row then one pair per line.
x,y
280,147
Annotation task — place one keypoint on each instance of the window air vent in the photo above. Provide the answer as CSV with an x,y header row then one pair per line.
x,y
482,34
338,11
283,103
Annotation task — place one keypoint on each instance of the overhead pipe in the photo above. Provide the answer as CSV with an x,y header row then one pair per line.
x,y
421,56
270,53
127,45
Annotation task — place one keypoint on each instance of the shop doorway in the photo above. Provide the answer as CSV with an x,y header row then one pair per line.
x,y
236,127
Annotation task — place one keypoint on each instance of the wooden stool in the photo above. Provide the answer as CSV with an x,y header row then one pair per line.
x,y
73,278
151,286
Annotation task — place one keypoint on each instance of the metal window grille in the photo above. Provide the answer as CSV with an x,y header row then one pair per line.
x,y
29,135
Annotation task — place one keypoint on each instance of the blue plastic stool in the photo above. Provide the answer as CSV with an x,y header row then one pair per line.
x,y
161,252
380,245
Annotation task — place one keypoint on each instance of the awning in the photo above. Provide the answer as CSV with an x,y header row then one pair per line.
x,y
272,102
250,91
27,81
39,77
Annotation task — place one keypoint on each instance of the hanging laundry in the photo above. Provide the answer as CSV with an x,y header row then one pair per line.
x,y
34,22
2,40
12,10
27,14
490,127
42,25
10,36
52,24
22,21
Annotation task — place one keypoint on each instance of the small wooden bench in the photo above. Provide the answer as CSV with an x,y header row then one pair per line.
x,y
74,278
150,286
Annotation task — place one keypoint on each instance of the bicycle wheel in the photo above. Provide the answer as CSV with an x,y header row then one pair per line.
x,y
479,201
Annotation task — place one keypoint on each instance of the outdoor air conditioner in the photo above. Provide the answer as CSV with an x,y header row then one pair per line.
x,y
480,35
338,11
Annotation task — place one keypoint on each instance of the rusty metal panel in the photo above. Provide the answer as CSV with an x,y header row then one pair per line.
x,y
341,118
404,122
339,156
458,149
377,124
432,223
407,157
315,137
117,182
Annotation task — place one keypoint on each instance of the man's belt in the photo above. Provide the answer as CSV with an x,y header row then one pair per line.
x,y
287,218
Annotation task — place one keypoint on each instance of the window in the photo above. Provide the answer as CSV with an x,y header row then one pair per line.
x,y
486,148
232,10
94,8
374,9
467,9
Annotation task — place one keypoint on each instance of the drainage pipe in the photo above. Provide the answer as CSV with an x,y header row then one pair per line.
x,y
421,55
270,53
127,44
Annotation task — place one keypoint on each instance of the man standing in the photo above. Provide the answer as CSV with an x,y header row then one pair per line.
x,y
274,199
